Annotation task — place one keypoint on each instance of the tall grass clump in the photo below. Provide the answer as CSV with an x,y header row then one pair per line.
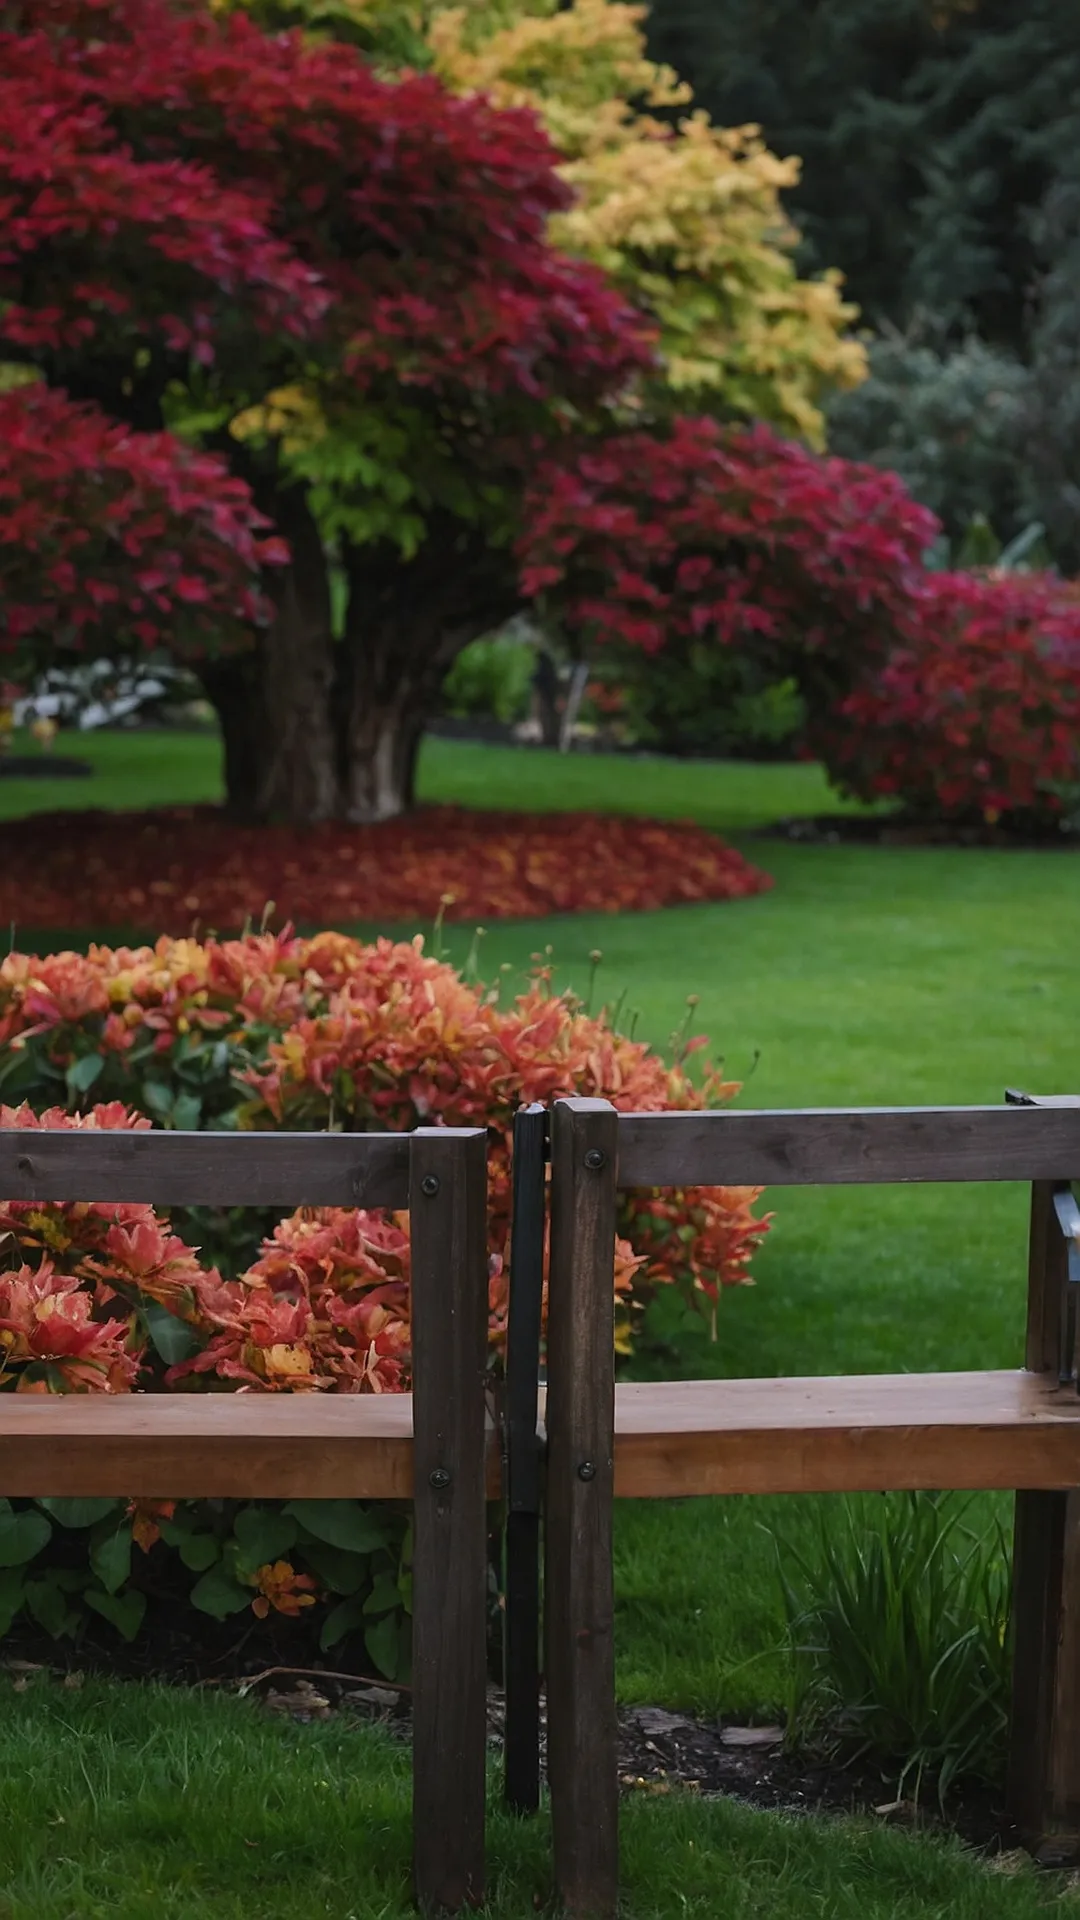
x,y
897,1618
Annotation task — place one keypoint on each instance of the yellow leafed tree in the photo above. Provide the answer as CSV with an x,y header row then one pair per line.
x,y
685,216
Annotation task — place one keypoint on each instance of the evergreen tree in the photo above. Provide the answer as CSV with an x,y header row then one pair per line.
x,y
930,133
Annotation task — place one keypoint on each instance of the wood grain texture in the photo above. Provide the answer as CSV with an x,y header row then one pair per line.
x,y
578,1581
521,1611
222,1446
448,1217
841,1147
1043,1767
207,1169
855,1433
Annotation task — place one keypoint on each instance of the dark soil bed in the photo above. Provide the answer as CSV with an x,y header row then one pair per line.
x,y
903,830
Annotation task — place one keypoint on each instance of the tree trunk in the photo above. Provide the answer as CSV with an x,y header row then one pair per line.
x,y
314,730
381,727
407,621
546,690
274,702
231,684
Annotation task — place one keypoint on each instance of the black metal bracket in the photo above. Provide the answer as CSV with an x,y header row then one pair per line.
x,y
1068,1218
522,1461
521,1445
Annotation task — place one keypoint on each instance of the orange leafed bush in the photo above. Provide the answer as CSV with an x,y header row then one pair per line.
x,y
276,1030
325,1308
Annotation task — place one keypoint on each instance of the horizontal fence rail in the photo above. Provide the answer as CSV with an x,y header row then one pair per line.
x,y
827,1147
208,1169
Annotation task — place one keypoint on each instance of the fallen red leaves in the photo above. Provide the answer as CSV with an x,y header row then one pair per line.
x,y
176,866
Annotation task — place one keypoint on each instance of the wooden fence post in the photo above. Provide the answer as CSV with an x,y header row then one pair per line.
x,y
1043,1774
522,1465
579,1600
448,1220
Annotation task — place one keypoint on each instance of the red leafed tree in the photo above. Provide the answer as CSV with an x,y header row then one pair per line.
x,y
198,218
734,533
134,533
733,536
958,694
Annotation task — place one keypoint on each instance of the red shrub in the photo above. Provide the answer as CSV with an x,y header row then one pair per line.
x,y
978,714
958,694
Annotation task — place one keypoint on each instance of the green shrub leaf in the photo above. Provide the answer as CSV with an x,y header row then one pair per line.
x,y
49,1606
263,1534
22,1535
187,1112
384,1596
340,1523
12,1596
124,1611
198,1551
80,1513
339,1570
219,1595
173,1338
83,1072
345,1618
382,1641
110,1556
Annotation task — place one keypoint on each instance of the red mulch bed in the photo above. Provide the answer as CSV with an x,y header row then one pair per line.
x,y
178,865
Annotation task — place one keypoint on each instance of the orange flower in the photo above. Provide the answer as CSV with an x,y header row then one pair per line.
x,y
144,1516
283,1589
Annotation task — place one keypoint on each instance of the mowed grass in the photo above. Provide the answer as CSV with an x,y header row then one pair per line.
x,y
867,976
132,1803
169,768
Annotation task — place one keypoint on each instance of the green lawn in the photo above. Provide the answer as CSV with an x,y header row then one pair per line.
x,y
874,976
127,1803
177,769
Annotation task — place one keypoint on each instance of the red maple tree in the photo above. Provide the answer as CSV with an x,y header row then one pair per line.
x,y
197,214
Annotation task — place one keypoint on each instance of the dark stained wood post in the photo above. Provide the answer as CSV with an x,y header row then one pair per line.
x,y
448,1218
1043,1776
522,1464
579,1600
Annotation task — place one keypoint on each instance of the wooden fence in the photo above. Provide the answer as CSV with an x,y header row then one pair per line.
x,y
1013,1430
1016,1430
430,1447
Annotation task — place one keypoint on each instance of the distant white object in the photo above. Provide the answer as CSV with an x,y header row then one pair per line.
x,y
105,693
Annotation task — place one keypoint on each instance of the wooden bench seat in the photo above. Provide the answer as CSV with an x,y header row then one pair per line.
x,y
855,1433
222,1445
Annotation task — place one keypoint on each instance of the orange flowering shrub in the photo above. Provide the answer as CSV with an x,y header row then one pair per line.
x,y
175,865
326,1307
276,1030
260,1032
